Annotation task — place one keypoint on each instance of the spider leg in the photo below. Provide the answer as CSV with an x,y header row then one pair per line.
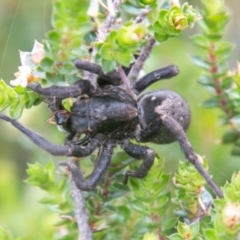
x,y
100,168
138,152
112,78
61,92
57,150
190,155
152,77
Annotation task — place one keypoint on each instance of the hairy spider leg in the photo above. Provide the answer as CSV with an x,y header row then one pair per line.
x,y
101,166
190,155
112,77
61,92
138,152
152,77
57,150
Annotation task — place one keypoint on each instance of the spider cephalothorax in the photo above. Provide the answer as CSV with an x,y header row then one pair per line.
x,y
104,114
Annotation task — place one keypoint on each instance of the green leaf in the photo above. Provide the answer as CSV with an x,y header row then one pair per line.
x,y
147,2
139,207
161,37
106,52
171,31
123,57
16,110
46,64
236,151
226,83
200,62
150,236
112,39
49,201
108,66
131,9
201,41
184,230
175,236
223,49
206,80
67,68
230,137
55,78
53,36
169,225
194,227
217,22
210,234
162,17
41,176
211,103
90,37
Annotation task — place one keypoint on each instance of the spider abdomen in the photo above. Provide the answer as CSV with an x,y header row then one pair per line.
x,y
162,102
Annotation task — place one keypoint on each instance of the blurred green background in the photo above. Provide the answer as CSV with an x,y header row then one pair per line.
x,y
23,21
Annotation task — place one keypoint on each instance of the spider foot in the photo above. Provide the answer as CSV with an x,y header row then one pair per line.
x,y
132,173
65,167
77,177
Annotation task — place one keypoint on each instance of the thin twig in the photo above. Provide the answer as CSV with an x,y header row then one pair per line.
x,y
103,31
107,24
142,15
138,65
125,80
81,216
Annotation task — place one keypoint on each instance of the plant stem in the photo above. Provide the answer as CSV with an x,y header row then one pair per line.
x,y
138,65
217,82
81,216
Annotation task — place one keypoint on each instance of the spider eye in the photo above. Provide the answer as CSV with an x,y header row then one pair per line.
x,y
59,117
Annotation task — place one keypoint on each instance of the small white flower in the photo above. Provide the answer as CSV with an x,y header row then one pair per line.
x,y
37,52
231,215
23,57
23,77
93,9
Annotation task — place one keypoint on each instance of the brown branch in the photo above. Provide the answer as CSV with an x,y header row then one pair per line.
x,y
142,15
125,80
107,24
138,65
81,216
103,31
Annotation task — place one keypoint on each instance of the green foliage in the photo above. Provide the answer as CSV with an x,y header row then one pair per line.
x,y
186,231
216,78
16,99
149,208
120,45
65,42
141,206
225,217
57,199
170,23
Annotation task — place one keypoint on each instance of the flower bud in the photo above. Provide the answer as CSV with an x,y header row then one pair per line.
x,y
131,35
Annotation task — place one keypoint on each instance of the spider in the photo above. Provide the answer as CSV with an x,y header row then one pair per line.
x,y
105,115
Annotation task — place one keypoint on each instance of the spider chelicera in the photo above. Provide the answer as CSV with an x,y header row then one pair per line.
x,y
104,115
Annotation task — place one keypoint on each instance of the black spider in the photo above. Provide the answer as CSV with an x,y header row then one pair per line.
x,y
104,115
